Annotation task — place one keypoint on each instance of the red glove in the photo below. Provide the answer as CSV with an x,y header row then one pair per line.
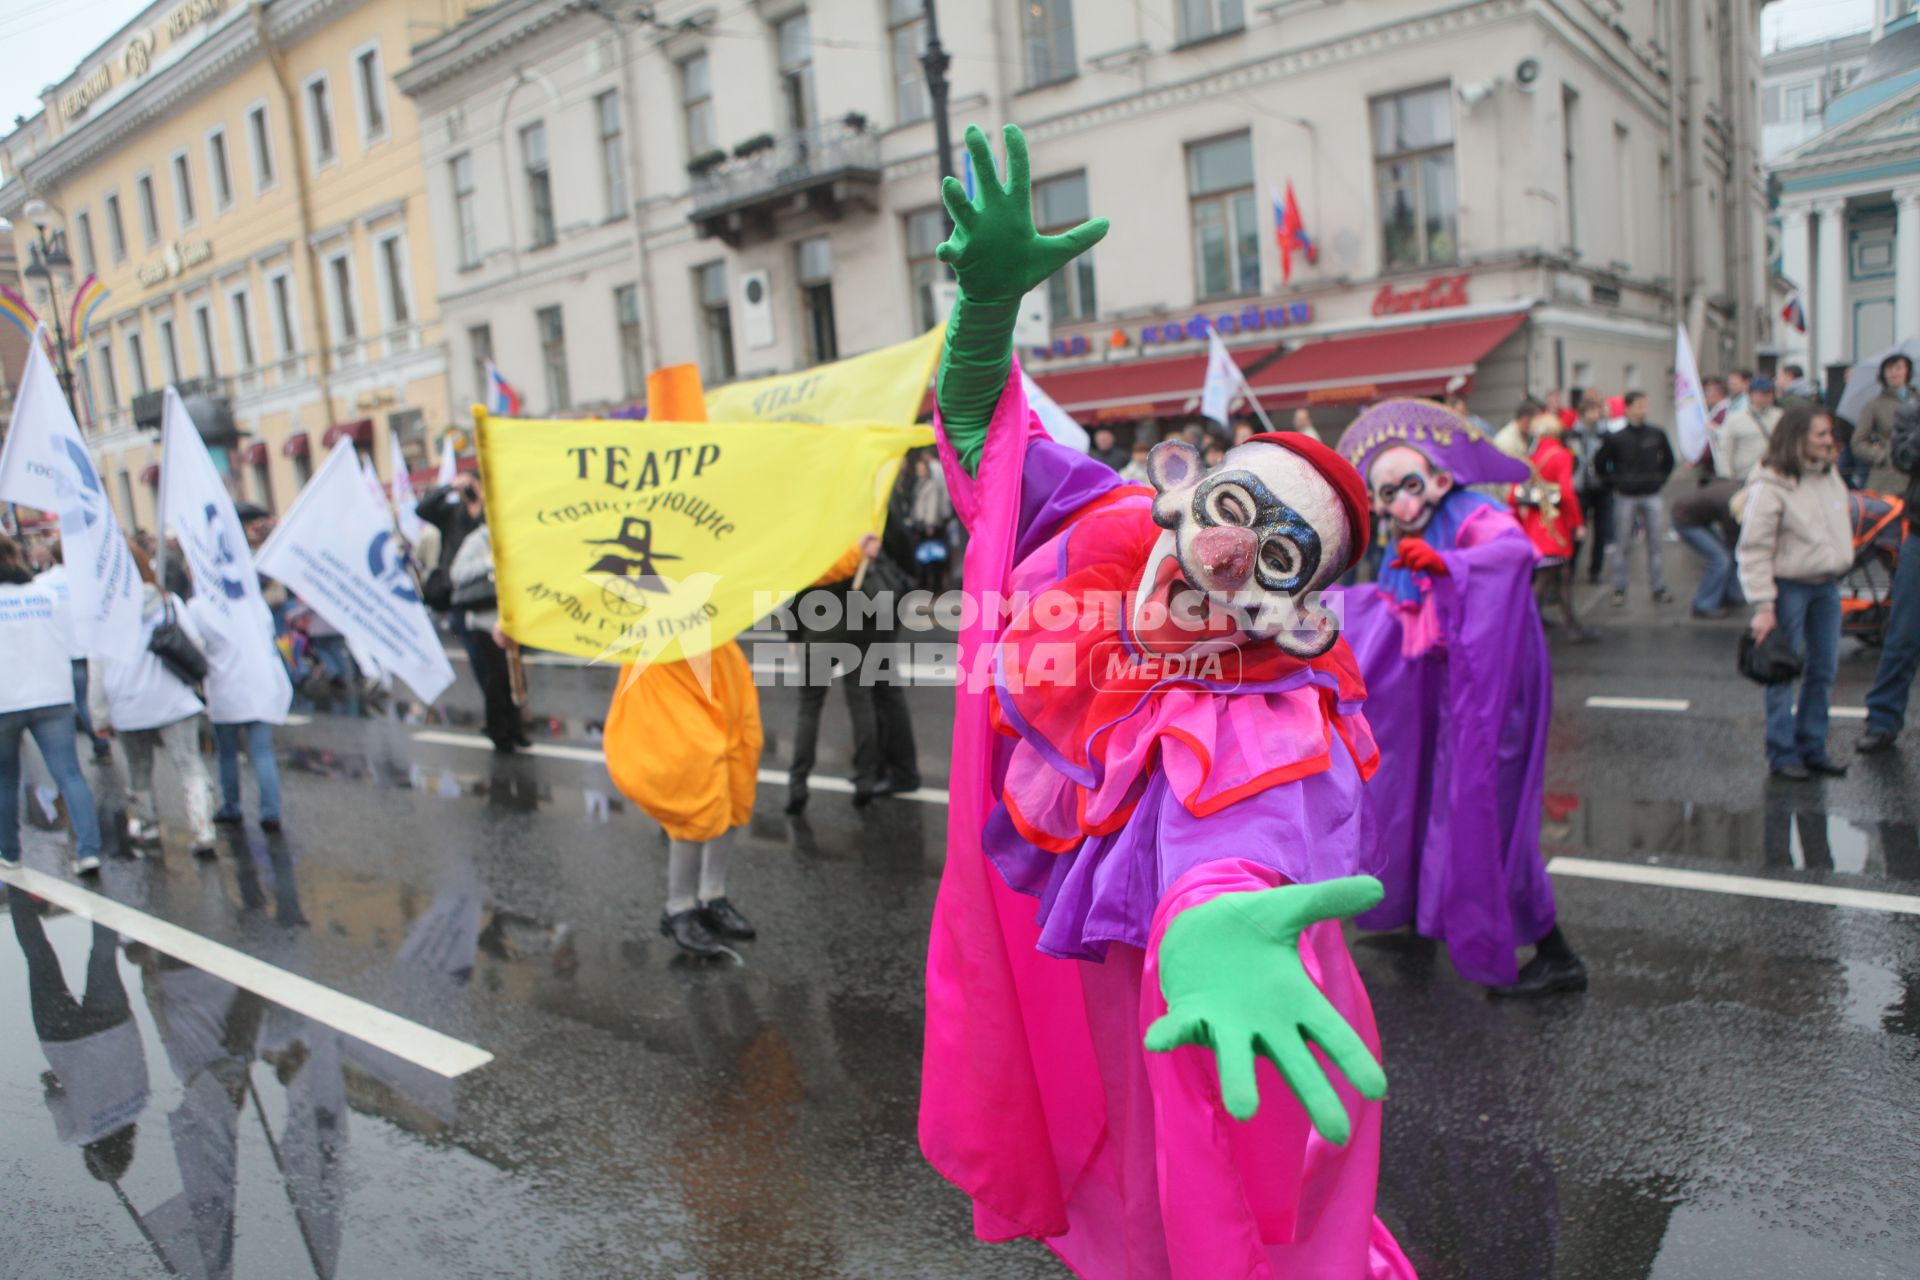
x,y
1416,554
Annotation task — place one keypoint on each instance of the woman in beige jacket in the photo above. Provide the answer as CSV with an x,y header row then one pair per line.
x,y
1796,539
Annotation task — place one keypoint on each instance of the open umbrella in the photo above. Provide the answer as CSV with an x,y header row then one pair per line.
x,y
1863,380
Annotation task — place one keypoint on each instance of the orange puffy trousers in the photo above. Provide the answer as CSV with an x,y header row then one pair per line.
x,y
683,742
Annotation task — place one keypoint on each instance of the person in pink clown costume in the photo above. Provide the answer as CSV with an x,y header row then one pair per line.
x,y
1146,1043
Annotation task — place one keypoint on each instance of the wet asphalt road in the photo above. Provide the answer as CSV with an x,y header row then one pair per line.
x,y
1737,1096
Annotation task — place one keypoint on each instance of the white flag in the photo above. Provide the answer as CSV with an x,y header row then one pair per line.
x,y
1058,422
449,465
401,487
1689,401
44,464
1223,380
197,509
337,551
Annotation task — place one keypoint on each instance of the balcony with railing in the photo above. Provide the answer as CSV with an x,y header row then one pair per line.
x,y
828,168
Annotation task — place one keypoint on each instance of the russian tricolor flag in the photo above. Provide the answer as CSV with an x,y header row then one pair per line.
x,y
502,399
1291,230
1795,314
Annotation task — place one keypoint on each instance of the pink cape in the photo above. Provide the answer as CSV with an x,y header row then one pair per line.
x,y
1038,1099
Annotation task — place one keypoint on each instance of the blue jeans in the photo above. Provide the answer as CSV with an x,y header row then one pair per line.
x,y
1719,585
85,717
52,729
1900,648
266,770
1808,615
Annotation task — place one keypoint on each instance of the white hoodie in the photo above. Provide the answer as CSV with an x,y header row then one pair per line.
x,y
139,692
34,637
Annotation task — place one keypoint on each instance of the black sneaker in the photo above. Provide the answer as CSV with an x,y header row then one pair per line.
x,y
270,825
796,802
227,819
1663,596
1874,741
724,920
1543,976
892,786
1827,768
689,934
1792,771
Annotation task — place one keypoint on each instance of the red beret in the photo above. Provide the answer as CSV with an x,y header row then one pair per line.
x,y
1346,482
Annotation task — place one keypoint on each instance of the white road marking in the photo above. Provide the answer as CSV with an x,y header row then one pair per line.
x,y
593,755
422,1046
294,720
1638,704
1745,886
1847,713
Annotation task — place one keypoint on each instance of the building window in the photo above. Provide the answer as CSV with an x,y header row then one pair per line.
x,y
83,240
346,324
533,151
116,229
907,34
633,361
814,258
109,384
716,317
796,71
553,357
1569,131
320,122
925,230
370,95
218,172
1060,205
83,372
203,334
392,256
302,471
1226,221
1047,29
1413,166
1200,19
696,99
466,211
260,148
1801,102
240,313
183,188
480,343
136,363
280,299
613,160
169,347
149,209
263,485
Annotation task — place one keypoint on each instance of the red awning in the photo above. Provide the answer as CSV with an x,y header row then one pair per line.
x,y
255,454
1410,361
150,475
360,431
1127,389
297,446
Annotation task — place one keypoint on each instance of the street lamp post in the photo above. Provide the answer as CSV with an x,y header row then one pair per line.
x,y
936,61
46,256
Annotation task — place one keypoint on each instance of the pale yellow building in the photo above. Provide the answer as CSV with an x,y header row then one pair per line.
x,y
246,181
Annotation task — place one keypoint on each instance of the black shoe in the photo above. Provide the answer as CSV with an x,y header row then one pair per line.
x,y
1827,768
503,746
689,934
270,825
796,802
1710,615
724,920
1792,771
897,786
1663,596
1544,976
520,738
1874,741
206,851
862,797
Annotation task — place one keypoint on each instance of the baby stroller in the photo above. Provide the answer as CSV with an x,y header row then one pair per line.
x,y
1866,589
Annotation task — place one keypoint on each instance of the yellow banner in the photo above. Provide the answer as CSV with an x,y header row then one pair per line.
x,y
888,385
656,541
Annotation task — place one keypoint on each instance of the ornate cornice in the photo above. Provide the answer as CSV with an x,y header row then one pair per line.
x,y
483,36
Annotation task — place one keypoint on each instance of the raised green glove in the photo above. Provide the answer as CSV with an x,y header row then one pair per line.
x,y
997,257
1234,983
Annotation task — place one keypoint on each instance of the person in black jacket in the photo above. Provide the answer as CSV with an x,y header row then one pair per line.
x,y
457,510
1900,643
1635,462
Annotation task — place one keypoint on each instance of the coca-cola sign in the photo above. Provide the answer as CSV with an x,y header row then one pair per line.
x,y
1434,295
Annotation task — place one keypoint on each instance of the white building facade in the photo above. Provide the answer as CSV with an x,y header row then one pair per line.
x,y
1504,195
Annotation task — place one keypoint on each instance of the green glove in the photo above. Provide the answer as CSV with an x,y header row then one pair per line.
x,y
1231,973
997,257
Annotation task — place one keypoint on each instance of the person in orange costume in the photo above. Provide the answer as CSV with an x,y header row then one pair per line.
x,y
683,743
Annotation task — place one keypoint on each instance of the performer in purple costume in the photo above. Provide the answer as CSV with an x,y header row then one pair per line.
x,y
1459,692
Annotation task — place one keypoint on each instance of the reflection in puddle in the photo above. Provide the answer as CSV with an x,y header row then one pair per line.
x,y
1781,835
507,786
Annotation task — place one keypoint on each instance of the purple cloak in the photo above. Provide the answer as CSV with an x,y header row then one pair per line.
x,y
1459,695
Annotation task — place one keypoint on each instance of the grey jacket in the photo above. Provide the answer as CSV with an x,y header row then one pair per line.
x,y
1873,434
1800,530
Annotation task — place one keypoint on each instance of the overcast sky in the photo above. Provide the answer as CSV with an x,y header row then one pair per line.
x,y
42,40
